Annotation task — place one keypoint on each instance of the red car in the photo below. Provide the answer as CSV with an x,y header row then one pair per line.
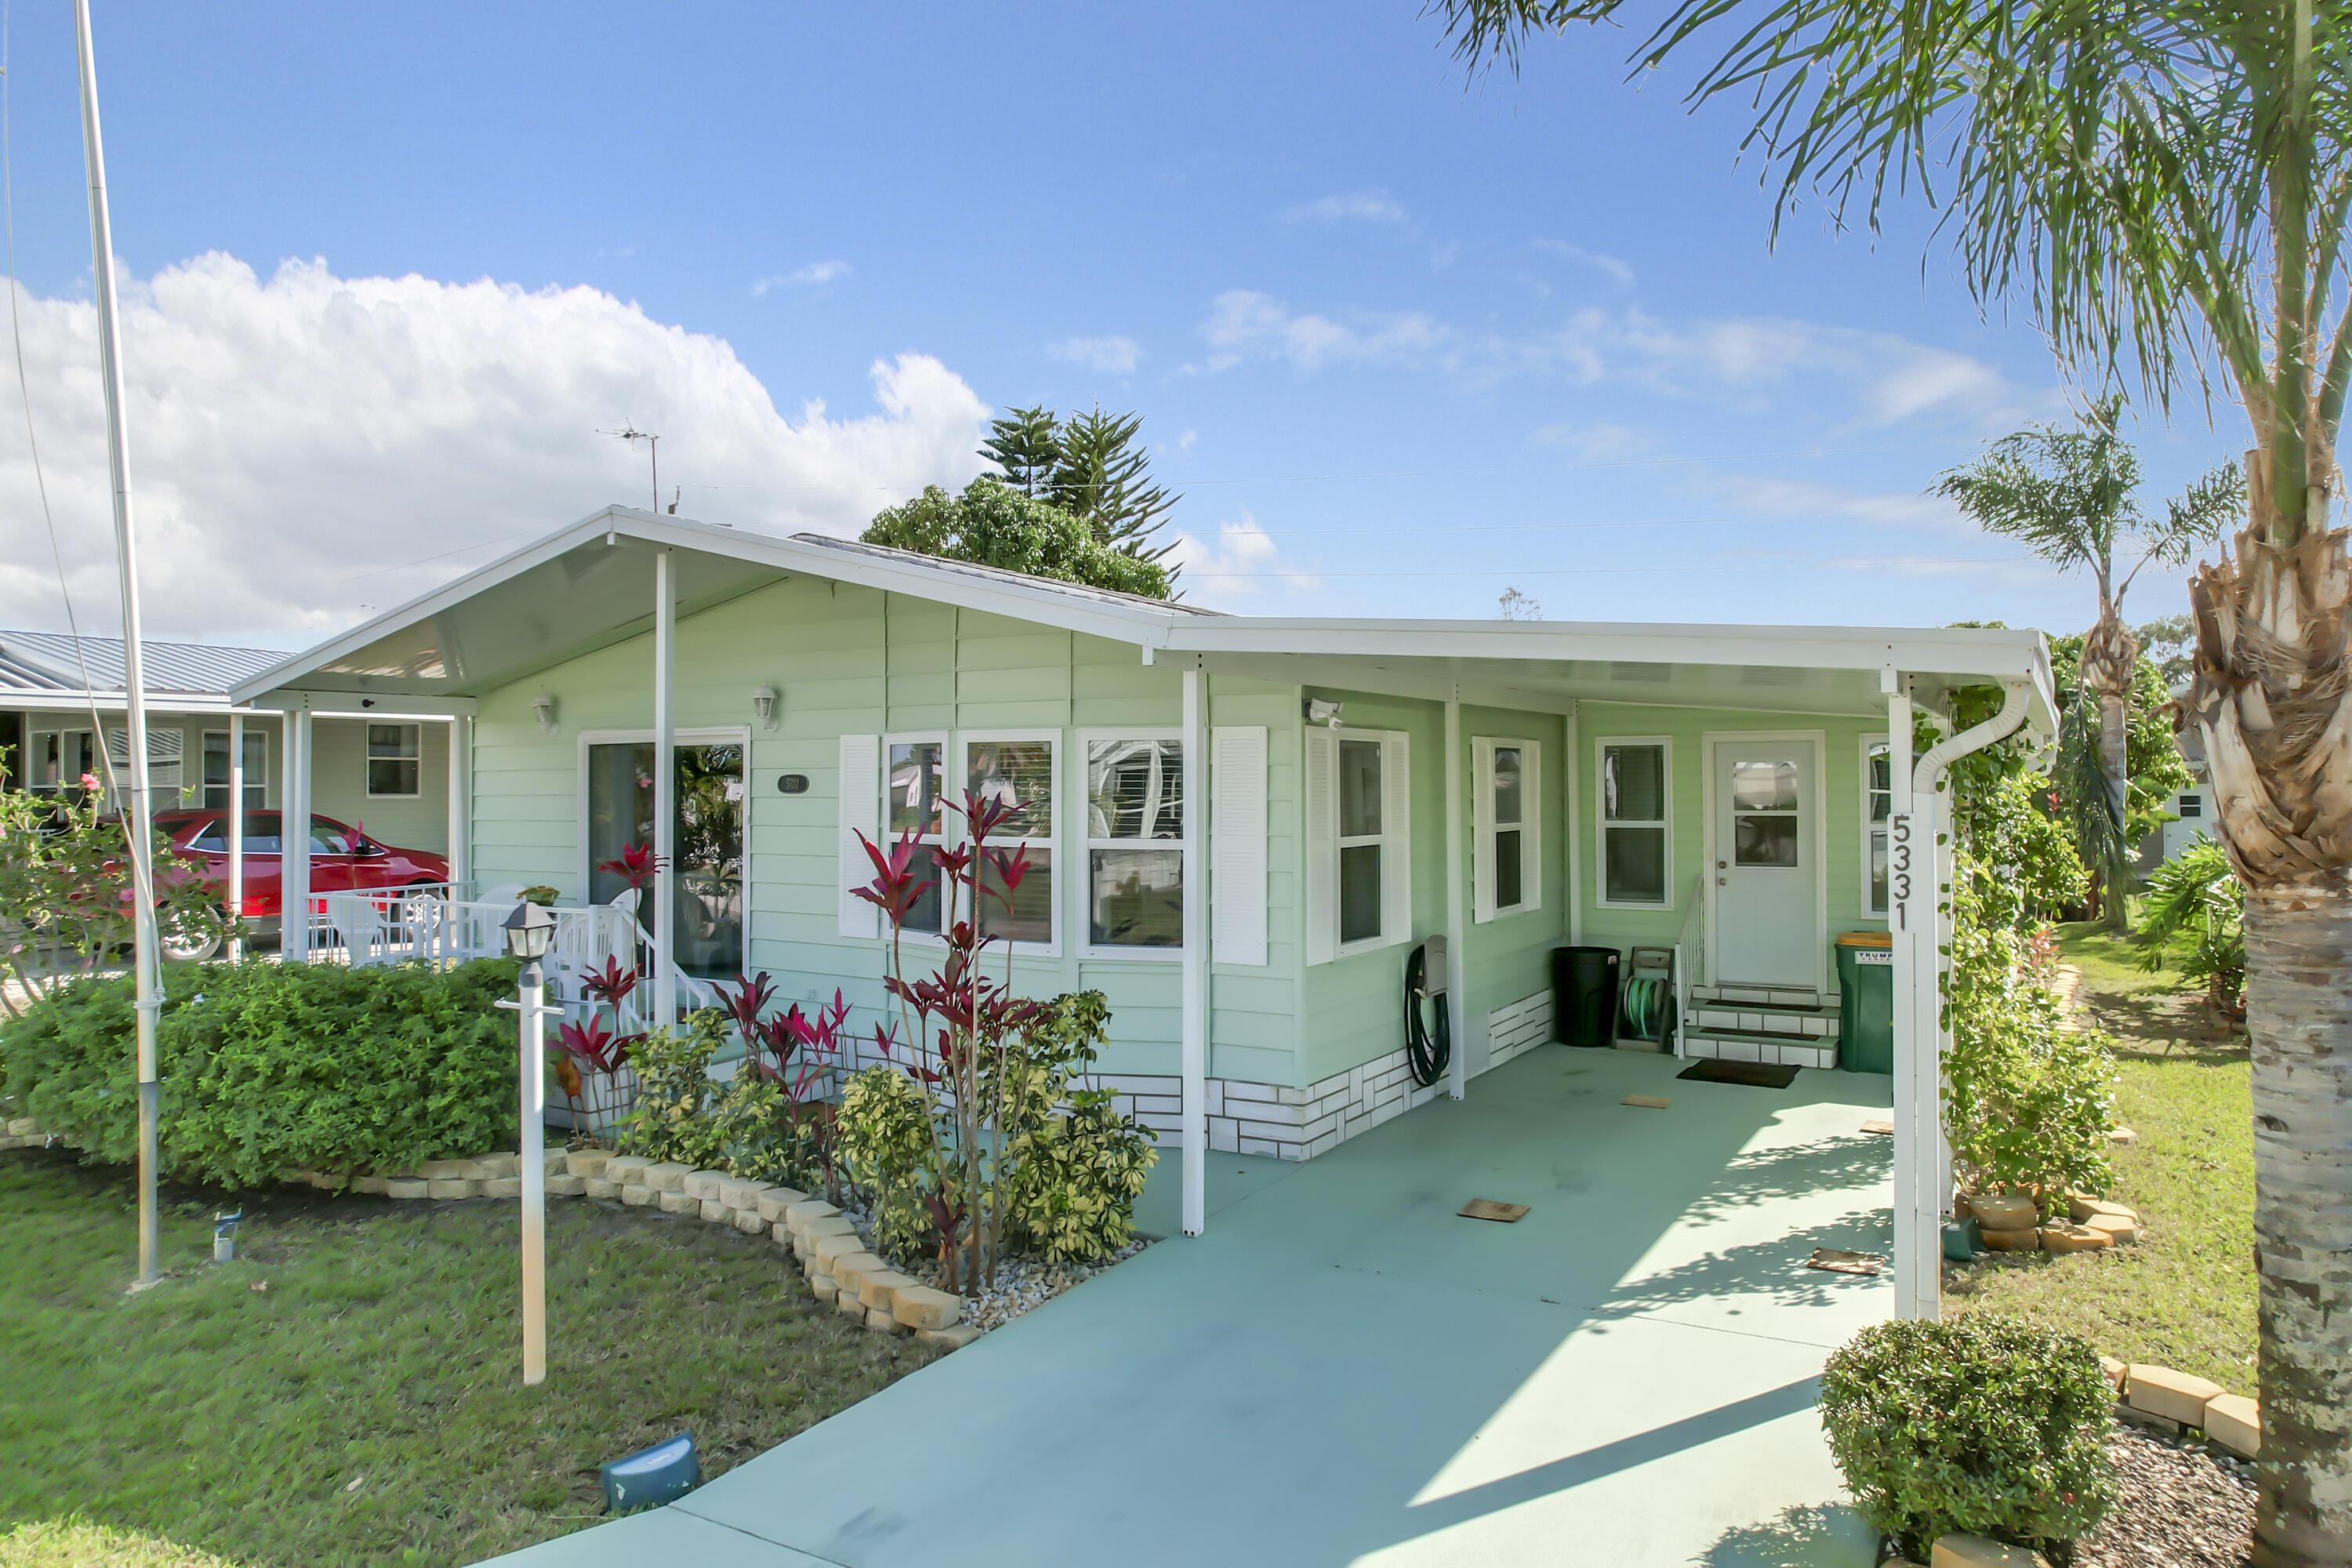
x,y
342,858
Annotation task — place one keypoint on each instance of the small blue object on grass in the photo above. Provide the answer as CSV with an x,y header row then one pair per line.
x,y
651,1477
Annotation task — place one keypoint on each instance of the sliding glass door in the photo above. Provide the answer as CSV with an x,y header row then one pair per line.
x,y
708,832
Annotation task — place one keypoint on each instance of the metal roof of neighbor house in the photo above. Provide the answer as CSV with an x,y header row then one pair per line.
x,y
589,586
50,661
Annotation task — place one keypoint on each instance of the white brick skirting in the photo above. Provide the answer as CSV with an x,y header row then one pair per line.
x,y
1287,1123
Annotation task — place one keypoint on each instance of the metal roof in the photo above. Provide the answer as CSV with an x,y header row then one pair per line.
x,y
50,661
1083,592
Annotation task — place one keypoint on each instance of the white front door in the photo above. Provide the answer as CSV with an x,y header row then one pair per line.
x,y
1767,917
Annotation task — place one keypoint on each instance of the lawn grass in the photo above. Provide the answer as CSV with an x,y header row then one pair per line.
x,y
349,1390
2184,1296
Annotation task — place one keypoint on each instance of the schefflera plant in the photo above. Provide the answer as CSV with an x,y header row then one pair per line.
x,y
955,1029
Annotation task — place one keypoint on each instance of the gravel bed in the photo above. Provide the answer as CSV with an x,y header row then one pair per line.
x,y
1022,1283
2178,1505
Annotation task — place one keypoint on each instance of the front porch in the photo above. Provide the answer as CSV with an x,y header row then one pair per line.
x,y
1340,1370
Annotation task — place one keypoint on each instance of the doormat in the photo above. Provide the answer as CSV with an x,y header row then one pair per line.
x,y
1487,1208
1755,1074
1837,1260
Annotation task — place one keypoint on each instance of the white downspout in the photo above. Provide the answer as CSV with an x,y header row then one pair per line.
x,y
1918,957
1456,925
665,788
294,842
460,806
1197,893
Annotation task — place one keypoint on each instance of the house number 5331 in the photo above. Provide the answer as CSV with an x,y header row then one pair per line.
x,y
1898,864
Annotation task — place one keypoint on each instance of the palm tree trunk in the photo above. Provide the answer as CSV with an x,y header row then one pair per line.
x,y
2271,698
2110,660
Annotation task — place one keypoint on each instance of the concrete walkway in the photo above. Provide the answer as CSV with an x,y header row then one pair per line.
x,y
1343,1372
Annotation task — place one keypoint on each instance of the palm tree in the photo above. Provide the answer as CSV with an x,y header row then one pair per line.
x,y
2165,183
2069,496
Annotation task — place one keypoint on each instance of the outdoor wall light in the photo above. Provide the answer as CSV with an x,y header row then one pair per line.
x,y
544,707
1320,712
531,932
763,704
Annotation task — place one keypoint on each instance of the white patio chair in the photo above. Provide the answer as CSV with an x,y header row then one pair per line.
x,y
361,924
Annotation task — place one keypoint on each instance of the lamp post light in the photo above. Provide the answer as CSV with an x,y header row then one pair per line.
x,y
530,932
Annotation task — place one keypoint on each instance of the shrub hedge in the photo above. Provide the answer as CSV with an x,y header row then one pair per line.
x,y
266,1068
1980,1426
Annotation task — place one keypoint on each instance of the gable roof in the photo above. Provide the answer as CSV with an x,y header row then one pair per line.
x,y
590,586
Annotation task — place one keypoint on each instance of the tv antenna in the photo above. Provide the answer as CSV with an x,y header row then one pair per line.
x,y
653,450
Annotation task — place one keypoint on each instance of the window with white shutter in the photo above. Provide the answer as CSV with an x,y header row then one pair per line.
x,y
1237,885
1360,845
1507,853
860,803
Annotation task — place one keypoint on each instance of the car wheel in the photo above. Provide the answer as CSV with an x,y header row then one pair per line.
x,y
182,942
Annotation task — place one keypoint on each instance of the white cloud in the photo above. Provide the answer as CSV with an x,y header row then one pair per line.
x,y
1244,325
1749,361
1112,356
289,436
1599,442
1778,498
809,277
1612,265
1244,565
1373,206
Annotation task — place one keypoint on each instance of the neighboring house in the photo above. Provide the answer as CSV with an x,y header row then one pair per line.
x,y
1242,824
390,774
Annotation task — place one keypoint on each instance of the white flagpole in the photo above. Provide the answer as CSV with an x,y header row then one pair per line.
x,y
138,815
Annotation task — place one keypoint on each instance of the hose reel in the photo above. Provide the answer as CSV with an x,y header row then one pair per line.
x,y
1428,1054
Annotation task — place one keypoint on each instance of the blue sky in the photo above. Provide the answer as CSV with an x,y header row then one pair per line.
x,y
1402,340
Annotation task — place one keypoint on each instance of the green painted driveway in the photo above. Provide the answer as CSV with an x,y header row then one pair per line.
x,y
1342,1370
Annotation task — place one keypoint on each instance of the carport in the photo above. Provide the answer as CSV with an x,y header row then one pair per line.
x,y
1343,1371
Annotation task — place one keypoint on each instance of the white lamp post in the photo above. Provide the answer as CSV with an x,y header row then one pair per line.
x,y
531,932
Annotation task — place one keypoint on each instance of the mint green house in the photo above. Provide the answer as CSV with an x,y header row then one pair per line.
x,y
1243,825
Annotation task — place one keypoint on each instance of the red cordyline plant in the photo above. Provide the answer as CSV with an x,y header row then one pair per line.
x,y
958,1026
588,1067
801,1055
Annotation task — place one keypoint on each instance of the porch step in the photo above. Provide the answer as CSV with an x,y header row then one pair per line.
x,y
1735,1020
1740,1005
1759,1045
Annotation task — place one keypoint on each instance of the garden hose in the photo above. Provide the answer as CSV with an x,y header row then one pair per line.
x,y
1645,1006
1429,1057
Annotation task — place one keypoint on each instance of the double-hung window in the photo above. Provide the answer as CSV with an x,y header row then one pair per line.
x,y
1636,828
1135,842
1877,808
1506,864
913,780
1015,772
257,770
1360,849
392,755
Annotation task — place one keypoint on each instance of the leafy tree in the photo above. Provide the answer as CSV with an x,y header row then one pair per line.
x,y
2070,496
992,524
1090,464
2165,185
2153,768
2172,642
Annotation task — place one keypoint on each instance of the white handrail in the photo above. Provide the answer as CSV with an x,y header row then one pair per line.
x,y
1690,957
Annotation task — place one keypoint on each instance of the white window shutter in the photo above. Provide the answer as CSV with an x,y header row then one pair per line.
x,y
1482,829
1531,815
1396,830
861,812
1322,786
1237,844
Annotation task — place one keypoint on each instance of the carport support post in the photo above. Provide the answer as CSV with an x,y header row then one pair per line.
x,y
236,826
461,774
1458,1072
1904,917
294,842
1197,892
665,883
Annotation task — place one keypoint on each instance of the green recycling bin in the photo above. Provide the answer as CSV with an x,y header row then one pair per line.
x,y
1865,964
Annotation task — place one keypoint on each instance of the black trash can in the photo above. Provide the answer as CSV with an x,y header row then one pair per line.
x,y
1584,995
